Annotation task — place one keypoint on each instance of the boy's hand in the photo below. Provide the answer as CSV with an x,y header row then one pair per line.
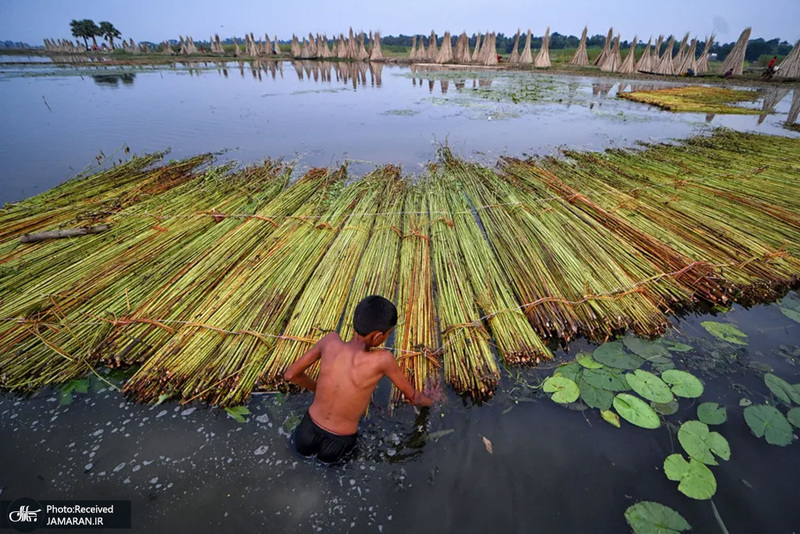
x,y
434,392
420,399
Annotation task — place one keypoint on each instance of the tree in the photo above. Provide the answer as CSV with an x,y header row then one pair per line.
x,y
108,32
85,29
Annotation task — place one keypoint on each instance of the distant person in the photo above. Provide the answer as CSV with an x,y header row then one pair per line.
x,y
729,72
348,374
771,65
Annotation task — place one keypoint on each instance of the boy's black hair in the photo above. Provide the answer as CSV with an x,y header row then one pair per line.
x,y
374,313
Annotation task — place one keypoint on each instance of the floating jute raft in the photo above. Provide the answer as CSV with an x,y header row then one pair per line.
x,y
211,280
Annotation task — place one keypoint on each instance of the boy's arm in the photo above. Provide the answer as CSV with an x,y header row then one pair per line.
x,y
395,374
296,372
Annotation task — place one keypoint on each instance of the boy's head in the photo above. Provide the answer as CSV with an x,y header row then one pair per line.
x,y
374,318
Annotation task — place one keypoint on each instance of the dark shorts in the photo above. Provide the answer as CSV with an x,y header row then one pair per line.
x,y
310,439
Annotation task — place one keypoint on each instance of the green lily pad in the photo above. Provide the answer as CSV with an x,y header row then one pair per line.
x,y
794,315
725,332
712,413
782,389
683,384
645,348
665,408
636,411
767,422
595,397
674,346
649,386
563,389
569,370
585,360
661,367
647,517
701,444
793,416
613,354
696,480
610,417
606,379
745,402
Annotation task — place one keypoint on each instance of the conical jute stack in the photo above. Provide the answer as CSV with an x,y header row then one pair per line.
x,y
296,50
543,57
526,58
361,50
664,65
461,53
489,49
645,62
702,63
629,65
581,58
735,59
679,58
613,60
476,54
236,50
514,57
412,54
312,45
606,48
350,46
375,53
689,60
422,54
432,48
445,54
790,66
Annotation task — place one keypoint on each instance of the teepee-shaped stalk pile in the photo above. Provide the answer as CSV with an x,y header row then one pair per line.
x,y
629,65
461,53
543,57
526,57
664,65
581,58
445,54
375,47
606,48
689,60
679,58
514,57
735,59
613,60
412,54
296,50
432,47
702,63
645,63
790,66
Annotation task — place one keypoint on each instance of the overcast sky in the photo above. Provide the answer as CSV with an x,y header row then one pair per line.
x,y
150,20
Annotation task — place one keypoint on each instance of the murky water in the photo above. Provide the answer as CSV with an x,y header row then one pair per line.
x,y
58,119
193,468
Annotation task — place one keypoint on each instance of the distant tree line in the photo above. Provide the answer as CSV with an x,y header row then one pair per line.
x,y
505,43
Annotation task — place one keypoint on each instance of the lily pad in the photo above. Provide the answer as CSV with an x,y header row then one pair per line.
x,y
674,346
563,389
648,517
610,417
569,370
782,389
595,397
794,315
725,332
745,402
712,413
585,360
649,386
793,416
613,354
696,480
683,384
701,444
606,379
665,408
636,411
645,348
661,367
767,422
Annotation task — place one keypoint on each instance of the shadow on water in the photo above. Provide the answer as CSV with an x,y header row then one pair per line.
x,y
113,80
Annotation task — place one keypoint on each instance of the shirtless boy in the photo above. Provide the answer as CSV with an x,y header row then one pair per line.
x,y
348,374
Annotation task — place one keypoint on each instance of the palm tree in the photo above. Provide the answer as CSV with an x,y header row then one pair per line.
x,y
108,32
84,29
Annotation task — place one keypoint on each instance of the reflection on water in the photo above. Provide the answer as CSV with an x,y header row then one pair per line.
x,y
113,80
322,112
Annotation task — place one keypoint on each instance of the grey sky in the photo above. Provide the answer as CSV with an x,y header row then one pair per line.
x,y
32,20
